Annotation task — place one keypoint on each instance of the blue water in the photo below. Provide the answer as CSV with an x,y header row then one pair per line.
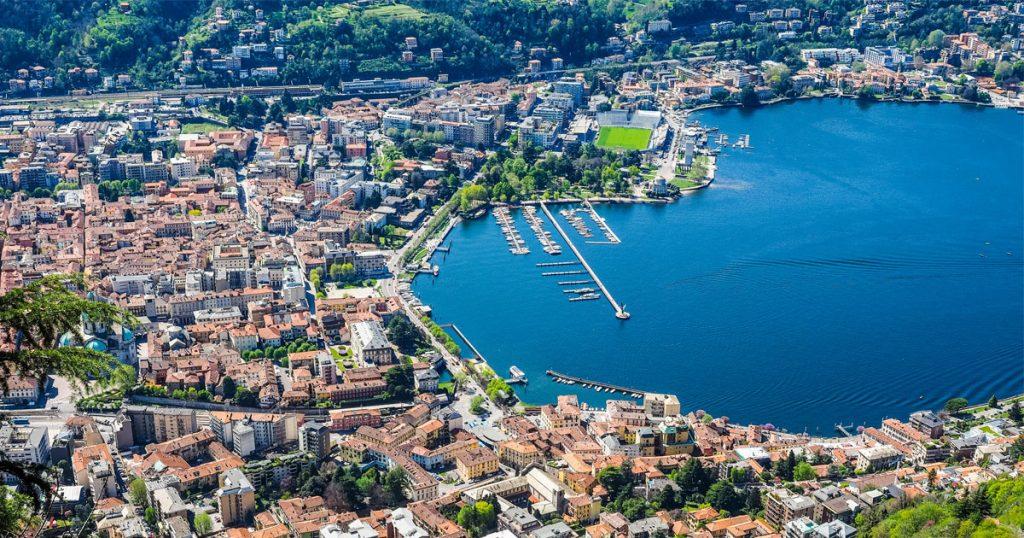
x,y
859,262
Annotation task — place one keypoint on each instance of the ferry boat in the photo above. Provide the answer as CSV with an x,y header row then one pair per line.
x,y
517,375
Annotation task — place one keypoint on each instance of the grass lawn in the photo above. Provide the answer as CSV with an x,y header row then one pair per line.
x,y
624,137
394,11
340,11
684,183
200,127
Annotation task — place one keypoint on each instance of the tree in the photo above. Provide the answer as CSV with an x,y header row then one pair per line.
x,y
403,333
229,387
752,505
613,480
804,471
123,377
476,405
202,523
1015,413
150,516
138,493
784,468
246,398
15,512
748,96
993,402
477,518
33,320
723,496
498,389
692,479
634,508
955,405
342,272
395,483
400,381
316,279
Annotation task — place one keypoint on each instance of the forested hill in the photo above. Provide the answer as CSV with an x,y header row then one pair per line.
x,y
60,45
320,40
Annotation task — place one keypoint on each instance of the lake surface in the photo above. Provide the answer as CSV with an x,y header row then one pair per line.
x,y
858,262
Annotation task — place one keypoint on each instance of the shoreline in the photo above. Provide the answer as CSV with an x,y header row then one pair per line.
x,y
852,97
649,200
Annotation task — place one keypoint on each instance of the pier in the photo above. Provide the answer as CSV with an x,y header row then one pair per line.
x,y
576,222
563,273
598,385
845,430
620,312
602,224
550,245
516,245
556,264
574,282
476,352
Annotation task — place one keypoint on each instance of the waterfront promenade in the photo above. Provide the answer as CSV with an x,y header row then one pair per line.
x,y
620,312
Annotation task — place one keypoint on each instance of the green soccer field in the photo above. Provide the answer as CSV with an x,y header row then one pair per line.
x,y
624,137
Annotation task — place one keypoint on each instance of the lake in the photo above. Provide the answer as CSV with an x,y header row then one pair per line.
x,y
858,262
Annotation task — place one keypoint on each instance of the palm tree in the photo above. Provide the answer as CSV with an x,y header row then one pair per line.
x,y
33,319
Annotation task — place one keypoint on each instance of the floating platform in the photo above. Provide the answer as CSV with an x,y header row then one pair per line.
x,y
596,385
517,375
562,273
557,264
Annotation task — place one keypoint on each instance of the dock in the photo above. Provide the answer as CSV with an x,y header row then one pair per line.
x,y
557,264
516,245
597,385
845,430
620,312
516,375
476,352
576,222
563,273
574,282
601,224
537,225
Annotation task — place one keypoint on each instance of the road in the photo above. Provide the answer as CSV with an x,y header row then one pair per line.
x,y
300,89
392,287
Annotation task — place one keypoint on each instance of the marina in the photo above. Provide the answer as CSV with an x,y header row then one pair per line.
x,y
599,386
577,222
620,311
658,272
601,224
537,225
516,244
